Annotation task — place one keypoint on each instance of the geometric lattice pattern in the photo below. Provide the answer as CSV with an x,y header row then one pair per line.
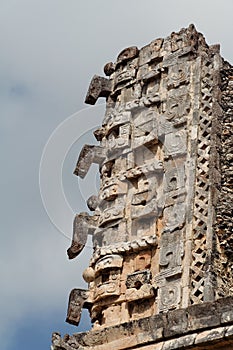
x,y
202,188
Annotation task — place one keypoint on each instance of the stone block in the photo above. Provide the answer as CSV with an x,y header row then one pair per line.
x,y
157,324
203,316
179,343
210,335
177,323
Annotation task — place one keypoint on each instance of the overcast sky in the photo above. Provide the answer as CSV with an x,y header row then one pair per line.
x,y
50,49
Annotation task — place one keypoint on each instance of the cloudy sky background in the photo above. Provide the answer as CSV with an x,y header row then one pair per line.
x,y
50,49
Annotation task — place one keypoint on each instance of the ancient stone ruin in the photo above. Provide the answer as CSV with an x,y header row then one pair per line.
x,y
160,276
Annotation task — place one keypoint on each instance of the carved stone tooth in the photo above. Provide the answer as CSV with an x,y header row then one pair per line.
x,y
99,87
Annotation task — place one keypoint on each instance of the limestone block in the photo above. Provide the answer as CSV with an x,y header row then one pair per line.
x,y
174,177
145,128
171,250
210,335
169,295
115,234
175,143
177,323
151,209
179,343
144,292
178,106
203,315
116,118
119,139
178,74
112,188
174,216
111,214
137,279
150,52
107,288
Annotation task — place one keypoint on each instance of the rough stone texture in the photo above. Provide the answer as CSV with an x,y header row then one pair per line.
x,y
189,328
224,223
161,223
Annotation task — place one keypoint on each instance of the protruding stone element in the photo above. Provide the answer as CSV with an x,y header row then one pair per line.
x,y
76,301
99,87
109,261
84,224
127,54
92,203
109,68
89,154
89,275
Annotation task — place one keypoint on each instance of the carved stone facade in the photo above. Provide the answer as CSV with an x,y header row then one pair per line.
x,y
161,223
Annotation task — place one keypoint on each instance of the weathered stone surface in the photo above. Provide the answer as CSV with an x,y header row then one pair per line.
x,y
84,224
162,220
76,301
177,323
99,87
89,154
203,316
211,335
127,54
180,343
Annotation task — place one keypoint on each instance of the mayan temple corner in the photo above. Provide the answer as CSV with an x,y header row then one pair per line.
x,y
160,276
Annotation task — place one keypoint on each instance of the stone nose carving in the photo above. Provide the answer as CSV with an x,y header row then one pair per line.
x,y
89,154
99,87
76,302
84,224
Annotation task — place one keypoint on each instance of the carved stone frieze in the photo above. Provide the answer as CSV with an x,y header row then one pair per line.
x,y
109,261
164,160
133,246
169,296
179,74
145,128
171,250
175,143
119,139
111,214
144,292
125,75
150,52
137,279
174,216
